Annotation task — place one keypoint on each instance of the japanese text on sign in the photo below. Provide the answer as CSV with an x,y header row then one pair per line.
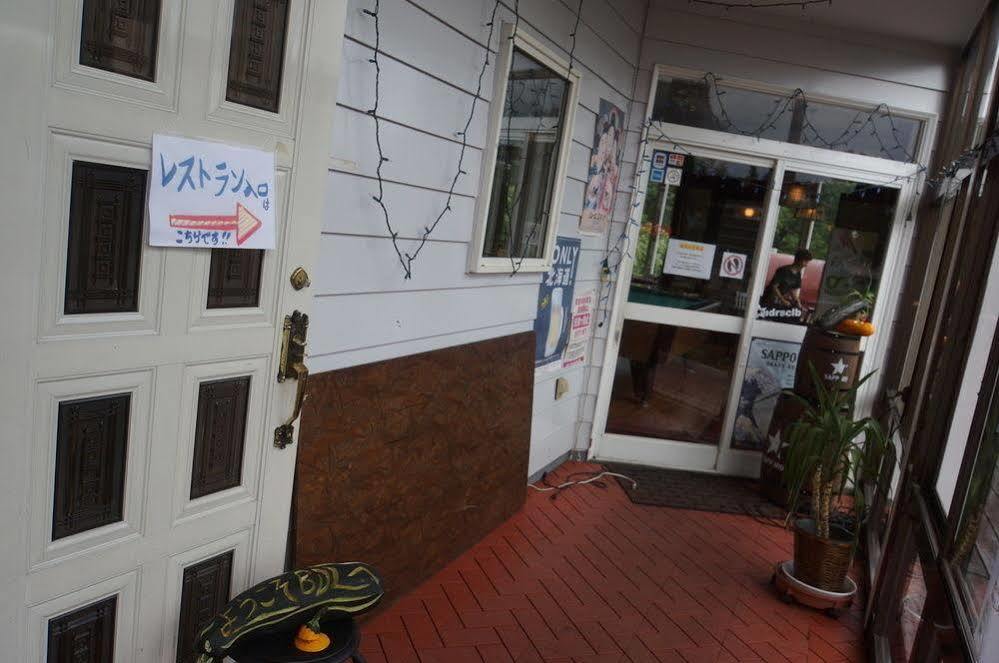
x,y
687,258
579,332
551,326
205,194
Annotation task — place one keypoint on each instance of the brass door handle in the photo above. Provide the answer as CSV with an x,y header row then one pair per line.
x,y
292,365
284,434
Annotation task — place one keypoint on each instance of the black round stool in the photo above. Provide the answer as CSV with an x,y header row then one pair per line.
x,y
279,647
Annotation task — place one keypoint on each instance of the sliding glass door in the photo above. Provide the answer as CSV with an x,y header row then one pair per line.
x,y
733,256
829,245
686,307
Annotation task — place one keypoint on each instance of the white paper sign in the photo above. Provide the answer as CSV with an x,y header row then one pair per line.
x,y
579,331
733,265
210,195
686,258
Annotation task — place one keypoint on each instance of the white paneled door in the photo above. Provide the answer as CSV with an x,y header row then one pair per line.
x,y
140,485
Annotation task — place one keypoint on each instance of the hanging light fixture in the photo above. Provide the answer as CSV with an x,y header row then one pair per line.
x,y
795,195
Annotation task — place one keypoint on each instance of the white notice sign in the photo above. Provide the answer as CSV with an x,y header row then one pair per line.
x,y
579,330
686,258
210,195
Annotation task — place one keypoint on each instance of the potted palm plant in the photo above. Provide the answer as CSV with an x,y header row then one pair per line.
x,y
828,453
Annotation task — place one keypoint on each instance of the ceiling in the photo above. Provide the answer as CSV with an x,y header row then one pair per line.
x,y
939,22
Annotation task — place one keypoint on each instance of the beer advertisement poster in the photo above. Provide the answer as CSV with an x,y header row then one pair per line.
x,y
770,368
555,301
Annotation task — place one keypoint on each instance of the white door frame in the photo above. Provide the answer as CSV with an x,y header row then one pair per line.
x,y
306,205
905,176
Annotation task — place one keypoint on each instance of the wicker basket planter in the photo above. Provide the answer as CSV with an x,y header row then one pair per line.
x,y
820,562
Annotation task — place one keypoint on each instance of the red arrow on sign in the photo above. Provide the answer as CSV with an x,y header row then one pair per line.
x,y
243,222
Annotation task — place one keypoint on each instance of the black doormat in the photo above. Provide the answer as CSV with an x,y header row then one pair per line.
x,y
695,490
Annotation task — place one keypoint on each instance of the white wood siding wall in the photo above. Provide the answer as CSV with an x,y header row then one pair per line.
x,y
819,60
432,52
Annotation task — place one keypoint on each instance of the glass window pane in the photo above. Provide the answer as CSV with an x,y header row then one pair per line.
x,y
104,250
976,549
671,382
923,621
698,236
526,160
695,103
829,245
120,36
708,104
256,53
234,278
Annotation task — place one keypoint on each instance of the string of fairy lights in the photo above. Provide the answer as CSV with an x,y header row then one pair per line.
x,y
406,258
890,144
754,4
865,120
797,103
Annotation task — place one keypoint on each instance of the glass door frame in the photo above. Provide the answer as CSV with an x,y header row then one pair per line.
x,y
690,455
781,157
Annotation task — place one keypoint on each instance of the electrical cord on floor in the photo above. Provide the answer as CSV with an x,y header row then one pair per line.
x,y
593,478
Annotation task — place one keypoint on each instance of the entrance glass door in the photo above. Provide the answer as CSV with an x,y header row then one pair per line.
x,y
684,319
830,244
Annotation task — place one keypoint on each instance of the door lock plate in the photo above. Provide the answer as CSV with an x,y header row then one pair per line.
x,y
292,365
293,336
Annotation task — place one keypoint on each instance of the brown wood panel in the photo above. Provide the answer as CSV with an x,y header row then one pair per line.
x,y
219,435
121,36
234,278
256,53
85,635
106,210
91,444
205,592
406,463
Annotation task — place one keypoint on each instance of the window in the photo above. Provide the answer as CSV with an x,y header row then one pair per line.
x,y
975,549
526,156
121,37
672,383
844,226
714,210
256,53
708,103
104,251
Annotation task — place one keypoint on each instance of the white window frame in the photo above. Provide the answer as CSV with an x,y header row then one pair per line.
x,y
509,39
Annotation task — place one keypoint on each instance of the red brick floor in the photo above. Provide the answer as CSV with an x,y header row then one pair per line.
x,y
590,576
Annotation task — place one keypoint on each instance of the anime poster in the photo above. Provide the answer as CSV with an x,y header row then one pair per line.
x,y
555,301
771,367
605,170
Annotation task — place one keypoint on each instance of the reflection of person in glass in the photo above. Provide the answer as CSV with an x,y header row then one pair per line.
x,y
784,290
646,345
